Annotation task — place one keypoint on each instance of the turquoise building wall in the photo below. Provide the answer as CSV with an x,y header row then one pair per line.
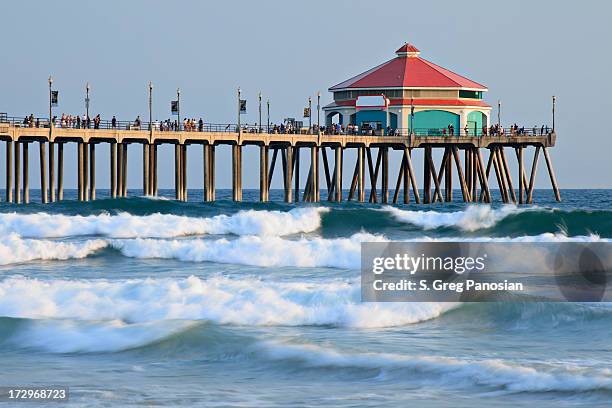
x,y
371,116
376,116
475,122
433,121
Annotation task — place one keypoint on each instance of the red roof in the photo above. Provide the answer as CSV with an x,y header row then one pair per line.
x,y
408,69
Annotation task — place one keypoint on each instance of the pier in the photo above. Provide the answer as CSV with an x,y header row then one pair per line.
x,y
407,104
284,151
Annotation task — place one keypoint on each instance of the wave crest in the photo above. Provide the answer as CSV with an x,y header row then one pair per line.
x,y
471,219
125,225
244,301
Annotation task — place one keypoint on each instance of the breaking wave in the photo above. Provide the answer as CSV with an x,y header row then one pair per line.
x,y
252,250
497,374
125,225
471,219
14,249
221,300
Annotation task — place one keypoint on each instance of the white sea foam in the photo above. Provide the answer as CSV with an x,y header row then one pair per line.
x,y
222,300
303,252
125,225
489,373
14,249
255,250
472,218
251,250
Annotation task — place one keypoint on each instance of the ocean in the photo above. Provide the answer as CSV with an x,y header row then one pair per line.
x,y
153,302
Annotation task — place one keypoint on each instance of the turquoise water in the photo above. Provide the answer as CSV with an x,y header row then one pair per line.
x,y
137,301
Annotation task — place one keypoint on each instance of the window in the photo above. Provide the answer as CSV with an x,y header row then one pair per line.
x,y
470,94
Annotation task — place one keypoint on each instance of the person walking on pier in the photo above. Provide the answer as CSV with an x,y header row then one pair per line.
x,y
114,122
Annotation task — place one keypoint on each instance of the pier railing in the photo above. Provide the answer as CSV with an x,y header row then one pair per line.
x,y
43,122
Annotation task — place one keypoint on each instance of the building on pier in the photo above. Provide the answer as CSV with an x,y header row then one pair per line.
x,y
386,95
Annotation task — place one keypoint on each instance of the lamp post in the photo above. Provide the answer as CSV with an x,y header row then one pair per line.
x,y
150,107
309,114
239,93
87,88
259,129
554,101
499,113
178,107
318,111
268,106
50,105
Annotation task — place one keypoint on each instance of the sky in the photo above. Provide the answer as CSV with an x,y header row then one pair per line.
x,y
524,51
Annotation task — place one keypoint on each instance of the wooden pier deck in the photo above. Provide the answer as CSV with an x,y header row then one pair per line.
x,y
473,174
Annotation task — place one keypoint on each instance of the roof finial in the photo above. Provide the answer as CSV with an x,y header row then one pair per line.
x,y
408,50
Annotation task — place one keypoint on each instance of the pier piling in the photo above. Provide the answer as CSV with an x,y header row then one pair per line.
x,y
92,171
60,171
44,198
26,171
9,171
113,170
18,172
52,172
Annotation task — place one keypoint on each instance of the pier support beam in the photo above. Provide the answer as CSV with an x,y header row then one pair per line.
x,y
373,171
154,186
385,175
521,171
314,156
113,170
60,171
288,165
296,176
338,173
534,168
184,172
551,173
177,172
92,171
464,189
80,171
264,188
328,180
415,187
427,176
44,193
499,175
18,172
9,171
448,176
211,172
124,170
360,174
26,172
146,165
85,171
237,172
52,195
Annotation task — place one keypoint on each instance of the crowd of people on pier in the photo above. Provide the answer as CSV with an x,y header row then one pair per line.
x,y
288,127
